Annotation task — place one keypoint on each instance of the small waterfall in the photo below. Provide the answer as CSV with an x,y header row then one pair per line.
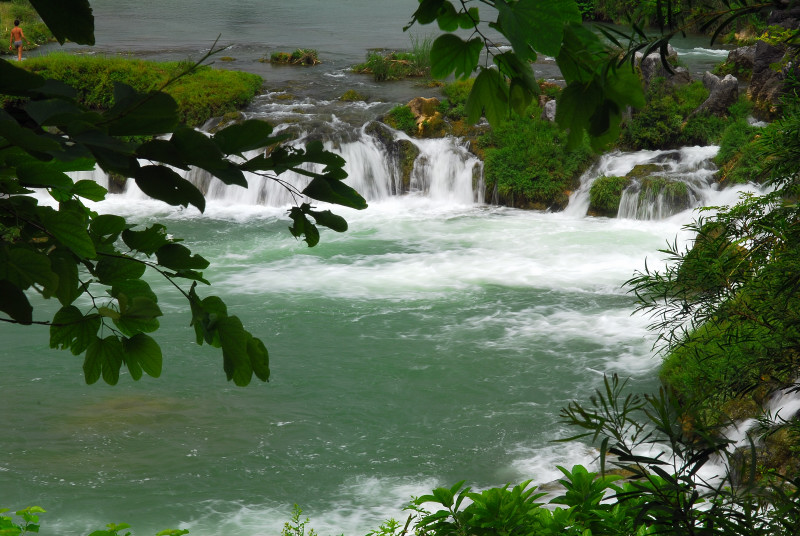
x,y
660,183
378,165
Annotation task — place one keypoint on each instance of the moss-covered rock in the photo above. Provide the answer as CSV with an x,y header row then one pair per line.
x,y
605,195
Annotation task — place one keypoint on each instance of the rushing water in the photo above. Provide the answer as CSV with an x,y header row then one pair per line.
x,y
435,340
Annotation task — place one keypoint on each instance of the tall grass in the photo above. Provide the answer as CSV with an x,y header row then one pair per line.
x,y
386,65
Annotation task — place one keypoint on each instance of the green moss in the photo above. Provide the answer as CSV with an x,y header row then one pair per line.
x,y
401,118
605,195
351,95
301,56
200,95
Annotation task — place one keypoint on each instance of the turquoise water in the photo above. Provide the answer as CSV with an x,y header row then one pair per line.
x,y
434,341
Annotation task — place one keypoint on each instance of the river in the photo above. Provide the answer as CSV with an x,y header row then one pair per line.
x,y
436,340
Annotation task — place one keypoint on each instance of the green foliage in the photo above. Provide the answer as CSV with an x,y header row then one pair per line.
x,y
402,118
392,65
738,157
201,94
71,252
296,527
598,89
35,30
527,160
605,195
351,95
30,524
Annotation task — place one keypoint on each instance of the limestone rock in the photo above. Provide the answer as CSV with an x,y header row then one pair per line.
x,y
426,114
652,68
766,85
722,93
549,111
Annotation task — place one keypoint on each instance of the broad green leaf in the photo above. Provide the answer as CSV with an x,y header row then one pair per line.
x,y
451,54
89,190
137,314
329,220
489,96
470,19
52,111
179,257
162,183
110,270
235,358
447,18
162,151
70,228
259,358
245,136
18,81
24,267
302,226
104,355
537,24
576,104
41,174
334,191
14,303
200,151
108,225
132,288
63,264
25,138
72,329
143,353
67,19
147,241
139,114
427,11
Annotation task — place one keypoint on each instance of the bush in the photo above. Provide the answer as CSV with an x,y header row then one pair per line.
x,y
200,95
527,161
605,195
401,118
391,65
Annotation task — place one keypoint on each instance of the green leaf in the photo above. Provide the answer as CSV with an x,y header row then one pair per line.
x,y
329,220
25,138
162,183
112,269
53,111
451,54
179,257
235,357
104,355
67,19
427,11
71,329
138,114
334,191
64,266
89,190
259,358
132,288
137,314
24,267
41,174
108,225
488,97
69,227
147,241
537,24
14,303
162,151
303,227
470,19
245,136
576,105
143,353
447,18
200,151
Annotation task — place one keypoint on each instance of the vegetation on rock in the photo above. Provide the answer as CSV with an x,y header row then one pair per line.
x,y
605,194
301,56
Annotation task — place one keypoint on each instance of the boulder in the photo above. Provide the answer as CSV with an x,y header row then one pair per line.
x,y
549,110
742,59
426,114
651,67
723,92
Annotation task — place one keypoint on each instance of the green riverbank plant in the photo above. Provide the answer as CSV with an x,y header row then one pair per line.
x,y
605,195
201,93
93,265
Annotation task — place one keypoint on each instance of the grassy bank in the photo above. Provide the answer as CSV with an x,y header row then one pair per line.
x,y
201,94
35,30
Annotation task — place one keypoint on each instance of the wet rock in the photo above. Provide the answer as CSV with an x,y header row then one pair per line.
x,y
401,155
427,116
740,62
766,84
651,67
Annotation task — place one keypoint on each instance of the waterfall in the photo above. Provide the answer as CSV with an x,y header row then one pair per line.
x,y
379,165
660,183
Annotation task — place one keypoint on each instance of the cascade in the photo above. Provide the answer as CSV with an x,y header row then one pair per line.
x,y
661,183
440,169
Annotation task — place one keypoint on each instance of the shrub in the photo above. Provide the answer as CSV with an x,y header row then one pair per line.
x,y
527,161
391,65
605,195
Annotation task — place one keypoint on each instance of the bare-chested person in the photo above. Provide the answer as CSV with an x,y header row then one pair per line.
x,y
16,39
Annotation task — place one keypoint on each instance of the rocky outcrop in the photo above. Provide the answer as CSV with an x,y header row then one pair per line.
x,y
766,84
723,92
651,67
427,116
740,62
401,155
549,111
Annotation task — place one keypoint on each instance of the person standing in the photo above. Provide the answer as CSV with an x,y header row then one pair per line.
x,y
17,35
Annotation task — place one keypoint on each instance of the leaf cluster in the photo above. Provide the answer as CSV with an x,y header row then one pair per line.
x,y
95,265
